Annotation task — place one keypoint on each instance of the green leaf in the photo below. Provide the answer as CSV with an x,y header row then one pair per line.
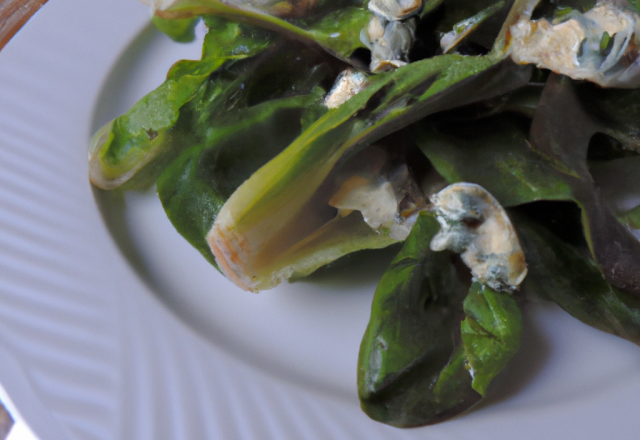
x,y
142,137
237,124
275,199
339,31
560,131
181,31
562,274
196,185
616,112
631,217
490,333
189,202
495,154
336,238
419,361
411,366
475,21
347,22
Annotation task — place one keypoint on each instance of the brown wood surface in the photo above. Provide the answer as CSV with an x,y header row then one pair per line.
x,y
13,15
6,422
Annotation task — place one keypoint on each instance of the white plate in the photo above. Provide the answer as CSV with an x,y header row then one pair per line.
x,y
147,342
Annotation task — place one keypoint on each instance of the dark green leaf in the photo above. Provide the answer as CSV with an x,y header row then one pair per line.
x,y
189,202
560,273
561,131
616,111
495,154
411,368
523,101
194,188
420,362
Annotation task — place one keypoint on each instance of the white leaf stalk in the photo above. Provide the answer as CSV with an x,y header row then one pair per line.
x,y
370,201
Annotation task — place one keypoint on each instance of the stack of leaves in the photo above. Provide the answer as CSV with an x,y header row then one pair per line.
x,y
257,172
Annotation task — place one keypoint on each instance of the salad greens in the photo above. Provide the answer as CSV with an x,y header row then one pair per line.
x,y
497,141
434,343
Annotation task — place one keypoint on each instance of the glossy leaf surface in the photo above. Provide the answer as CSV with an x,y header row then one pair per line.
x,y
491,333
411,368
455,12
181,31
240,121
390,101
494,153
428,352
144,136
196,185
321,32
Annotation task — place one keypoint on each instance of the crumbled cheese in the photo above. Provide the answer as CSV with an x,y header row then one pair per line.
x,y
395,10
573,47
389,42
475,225
347,84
